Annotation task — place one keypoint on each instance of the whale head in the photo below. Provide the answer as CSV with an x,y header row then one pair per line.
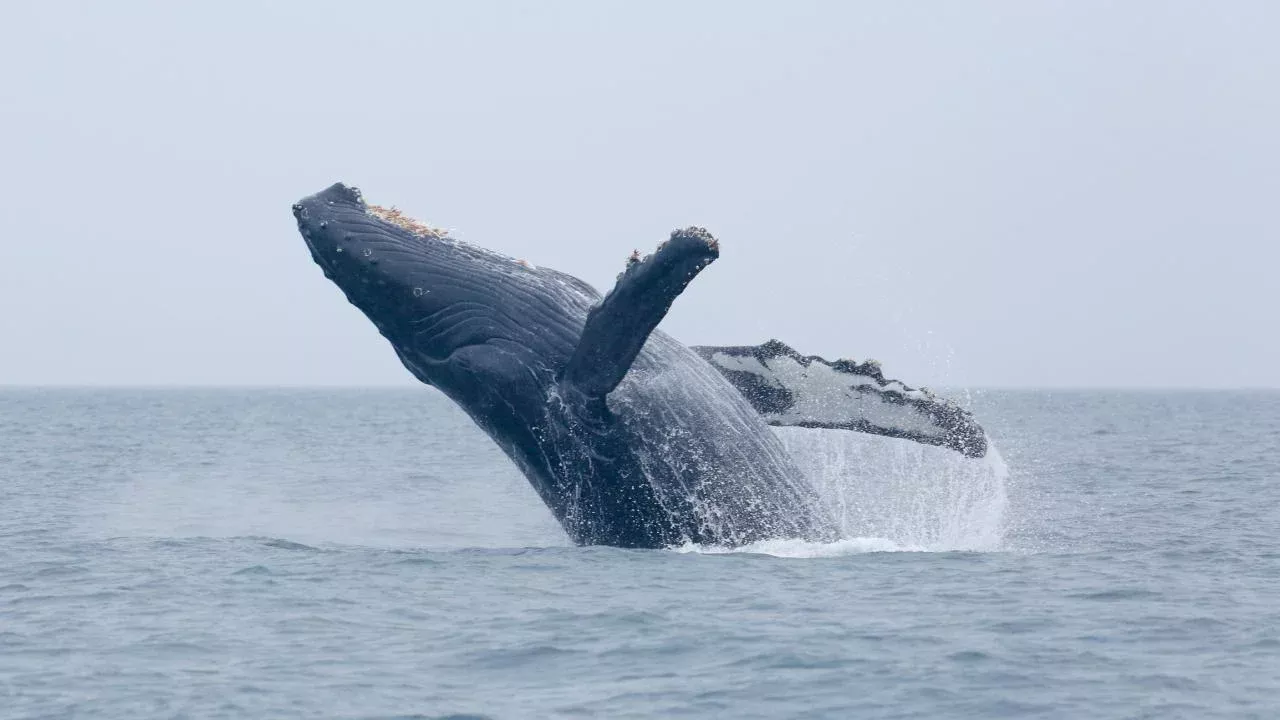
x,y
443,304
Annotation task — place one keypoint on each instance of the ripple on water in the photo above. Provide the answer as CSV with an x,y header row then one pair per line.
x,y
174,588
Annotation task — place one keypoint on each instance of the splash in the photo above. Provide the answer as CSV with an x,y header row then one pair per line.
x,y
907,495
891,495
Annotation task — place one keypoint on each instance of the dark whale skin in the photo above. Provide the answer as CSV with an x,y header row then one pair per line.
x,y
629,437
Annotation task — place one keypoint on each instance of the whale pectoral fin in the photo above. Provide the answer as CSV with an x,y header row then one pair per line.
x,y
791,389
617,327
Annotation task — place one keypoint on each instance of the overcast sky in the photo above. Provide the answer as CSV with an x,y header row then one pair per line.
x,y
976,194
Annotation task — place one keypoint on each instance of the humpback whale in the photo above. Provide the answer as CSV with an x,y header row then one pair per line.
x,y
631,438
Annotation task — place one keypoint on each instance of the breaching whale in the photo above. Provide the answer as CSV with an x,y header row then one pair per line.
x,y
630,438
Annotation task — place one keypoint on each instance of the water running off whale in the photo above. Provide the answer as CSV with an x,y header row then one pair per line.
x,y
629,437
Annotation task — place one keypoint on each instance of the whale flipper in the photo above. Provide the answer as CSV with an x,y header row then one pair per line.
x,y
617,327
790,389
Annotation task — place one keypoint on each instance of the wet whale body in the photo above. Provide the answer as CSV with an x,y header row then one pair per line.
x,y
630,438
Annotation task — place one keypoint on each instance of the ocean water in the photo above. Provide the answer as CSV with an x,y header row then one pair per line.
x,y
369,554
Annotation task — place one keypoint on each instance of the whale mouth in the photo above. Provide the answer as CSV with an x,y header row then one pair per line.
x,y
344,232
342,209
341,196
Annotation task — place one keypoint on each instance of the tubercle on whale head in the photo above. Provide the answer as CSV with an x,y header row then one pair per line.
x,y
341,195
385,262
427,293
397,217
339,225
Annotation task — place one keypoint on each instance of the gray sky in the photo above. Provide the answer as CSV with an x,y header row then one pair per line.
x,y
986,194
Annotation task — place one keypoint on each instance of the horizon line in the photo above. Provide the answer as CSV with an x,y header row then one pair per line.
x,y
415,386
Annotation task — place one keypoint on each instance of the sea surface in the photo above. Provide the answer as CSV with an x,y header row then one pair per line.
x,y
278,553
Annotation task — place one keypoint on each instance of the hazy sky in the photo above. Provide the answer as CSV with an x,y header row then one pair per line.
x,y
984,194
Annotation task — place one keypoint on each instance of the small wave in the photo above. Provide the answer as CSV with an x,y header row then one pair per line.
x,y
283,544
463,716
1117,594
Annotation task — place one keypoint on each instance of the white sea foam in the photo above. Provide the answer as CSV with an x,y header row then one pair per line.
x,y
891,495
793,548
